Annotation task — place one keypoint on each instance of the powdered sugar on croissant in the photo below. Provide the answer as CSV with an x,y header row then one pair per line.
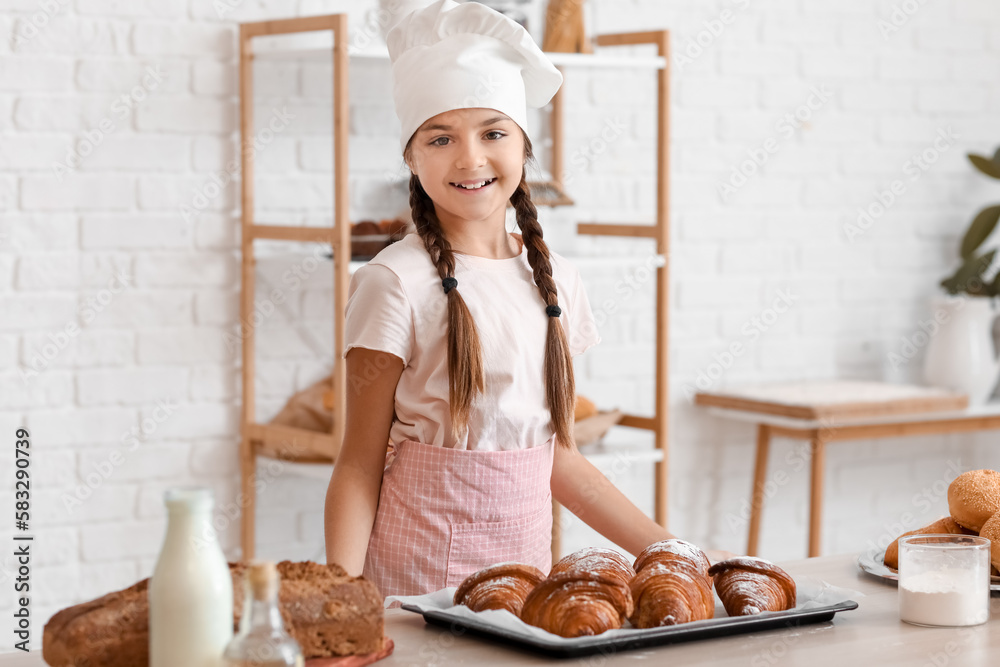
x,y
671,585
673,550
578,603
500,586
596,559
750,586
669,596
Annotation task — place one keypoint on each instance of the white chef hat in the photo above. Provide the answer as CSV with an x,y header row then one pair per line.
x,y
459,56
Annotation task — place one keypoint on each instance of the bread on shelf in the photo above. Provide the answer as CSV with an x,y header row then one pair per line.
x,y
589,423
369,238
584,408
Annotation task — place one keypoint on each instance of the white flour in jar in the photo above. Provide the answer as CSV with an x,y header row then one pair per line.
x,y
944,597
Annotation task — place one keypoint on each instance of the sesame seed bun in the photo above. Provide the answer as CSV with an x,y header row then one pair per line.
x,y
974,497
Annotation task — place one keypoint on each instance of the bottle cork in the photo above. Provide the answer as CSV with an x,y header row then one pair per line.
x,y
263,578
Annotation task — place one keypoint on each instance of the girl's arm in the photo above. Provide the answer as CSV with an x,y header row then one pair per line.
x,y
352,497
580,487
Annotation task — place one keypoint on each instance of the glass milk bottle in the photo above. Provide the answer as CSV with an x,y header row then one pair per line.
x,y
191,590
262,640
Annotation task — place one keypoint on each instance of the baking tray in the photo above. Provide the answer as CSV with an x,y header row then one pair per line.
x,y
672,634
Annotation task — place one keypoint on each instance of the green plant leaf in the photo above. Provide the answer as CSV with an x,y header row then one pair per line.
x,y
987,166
996,156
979,230
950,285
969,277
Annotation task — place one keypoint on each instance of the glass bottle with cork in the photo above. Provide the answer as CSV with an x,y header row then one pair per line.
x,y
262,640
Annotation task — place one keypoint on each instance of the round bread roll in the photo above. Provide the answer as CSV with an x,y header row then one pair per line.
x,y
365,228
945,526
584,408
991,531
974,497
394,228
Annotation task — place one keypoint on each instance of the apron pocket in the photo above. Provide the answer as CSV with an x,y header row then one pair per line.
x,y
527,540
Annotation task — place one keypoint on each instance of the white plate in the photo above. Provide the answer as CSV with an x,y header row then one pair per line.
x,y
871,562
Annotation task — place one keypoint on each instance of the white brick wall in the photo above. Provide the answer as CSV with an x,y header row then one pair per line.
x,y
142,199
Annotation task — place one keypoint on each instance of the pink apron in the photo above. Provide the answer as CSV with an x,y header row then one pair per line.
x,y
445,513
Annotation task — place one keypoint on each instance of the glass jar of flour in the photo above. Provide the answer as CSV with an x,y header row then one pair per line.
x,y
944,580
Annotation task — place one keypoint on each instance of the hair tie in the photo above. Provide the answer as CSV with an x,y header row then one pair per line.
x,y
449,284
553,311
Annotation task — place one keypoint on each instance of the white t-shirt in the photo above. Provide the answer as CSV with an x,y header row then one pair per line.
x,y
396,304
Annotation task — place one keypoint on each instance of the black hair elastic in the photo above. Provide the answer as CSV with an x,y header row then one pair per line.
x,y
553,311
449,284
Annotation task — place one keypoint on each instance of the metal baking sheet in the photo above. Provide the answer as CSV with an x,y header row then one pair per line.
x,y
709,629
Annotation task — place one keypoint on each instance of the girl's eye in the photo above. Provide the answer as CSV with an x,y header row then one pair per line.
x,y
437,142
495,134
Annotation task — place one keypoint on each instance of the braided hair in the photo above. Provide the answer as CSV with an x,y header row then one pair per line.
x,y
465,355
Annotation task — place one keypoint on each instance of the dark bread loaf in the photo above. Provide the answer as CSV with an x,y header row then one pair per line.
x,y
112,630
326,611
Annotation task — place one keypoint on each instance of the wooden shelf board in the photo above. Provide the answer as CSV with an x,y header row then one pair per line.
x,y
292,233
549,193
653,261
601,453
302,446
276,52
292,444
649,231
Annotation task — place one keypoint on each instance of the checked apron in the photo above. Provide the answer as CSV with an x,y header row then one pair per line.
x,y
445,513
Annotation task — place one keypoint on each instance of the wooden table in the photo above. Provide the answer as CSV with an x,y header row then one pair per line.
x,y
869,635
821,432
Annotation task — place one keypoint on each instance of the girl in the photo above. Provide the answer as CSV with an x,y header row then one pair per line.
x,y
460,338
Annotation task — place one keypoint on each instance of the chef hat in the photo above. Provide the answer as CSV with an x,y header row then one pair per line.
x,y
460,56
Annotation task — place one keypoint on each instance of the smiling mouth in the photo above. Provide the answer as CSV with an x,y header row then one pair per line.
x,y
479,185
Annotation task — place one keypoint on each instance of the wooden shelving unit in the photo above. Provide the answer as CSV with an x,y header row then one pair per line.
x,y
329,35
290,444
659,232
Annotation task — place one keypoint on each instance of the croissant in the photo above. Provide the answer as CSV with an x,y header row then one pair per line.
x,y
945,526
668,596
500,586
750,586
578,603
672,585
674,551
596,559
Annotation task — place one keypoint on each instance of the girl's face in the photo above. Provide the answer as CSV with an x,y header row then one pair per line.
x,y
469,161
